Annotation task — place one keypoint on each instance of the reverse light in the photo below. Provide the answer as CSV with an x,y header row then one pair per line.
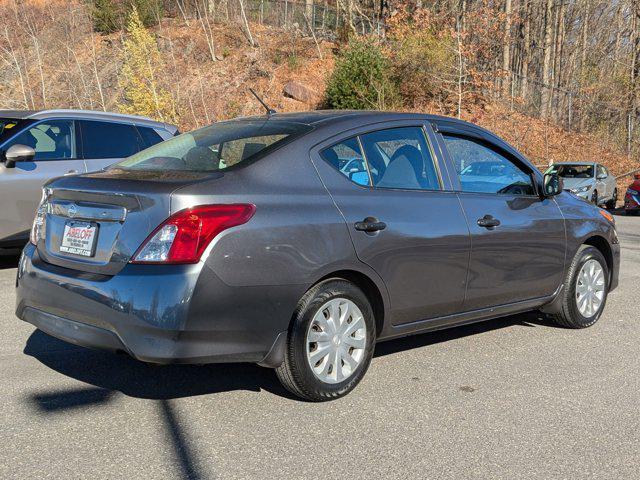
x,y
185,235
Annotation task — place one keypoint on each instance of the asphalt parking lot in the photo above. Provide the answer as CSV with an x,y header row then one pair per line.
x,y
511,398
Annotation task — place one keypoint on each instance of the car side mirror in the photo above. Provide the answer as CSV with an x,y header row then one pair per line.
x,y
18,153
552,184
601,177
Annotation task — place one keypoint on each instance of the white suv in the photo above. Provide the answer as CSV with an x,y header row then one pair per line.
x,y
38,145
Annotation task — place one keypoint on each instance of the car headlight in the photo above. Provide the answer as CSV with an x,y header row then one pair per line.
x,y
581,189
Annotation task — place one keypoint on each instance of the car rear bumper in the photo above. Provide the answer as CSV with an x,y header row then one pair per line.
x,y
159,314
632,201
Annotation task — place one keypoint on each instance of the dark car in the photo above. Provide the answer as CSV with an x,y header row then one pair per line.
x,y
248,241
632,197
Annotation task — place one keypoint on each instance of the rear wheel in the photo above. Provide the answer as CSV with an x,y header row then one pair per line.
x,y
330,342
585,289
611,204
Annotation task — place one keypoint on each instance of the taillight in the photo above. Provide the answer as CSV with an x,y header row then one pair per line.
x,y
185,235
38,226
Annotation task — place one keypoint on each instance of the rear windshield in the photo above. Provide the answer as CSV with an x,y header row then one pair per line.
x,y
8,126
217,147
572,171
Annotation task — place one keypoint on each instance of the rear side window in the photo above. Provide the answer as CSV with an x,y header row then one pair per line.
x,y
483,170
346,157
400,158
217,147
108,140
149,136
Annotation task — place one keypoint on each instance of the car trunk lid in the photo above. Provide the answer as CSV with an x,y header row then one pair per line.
x,y
120,207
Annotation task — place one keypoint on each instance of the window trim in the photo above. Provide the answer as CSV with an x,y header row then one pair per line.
x,y
377,127
35,123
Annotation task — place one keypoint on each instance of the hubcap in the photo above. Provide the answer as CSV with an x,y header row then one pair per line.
x,y
590,288
336,340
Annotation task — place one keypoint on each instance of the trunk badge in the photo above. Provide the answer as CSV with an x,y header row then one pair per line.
x,y
72,211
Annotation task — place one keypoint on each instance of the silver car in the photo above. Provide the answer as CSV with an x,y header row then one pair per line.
x,y
36,146
591,181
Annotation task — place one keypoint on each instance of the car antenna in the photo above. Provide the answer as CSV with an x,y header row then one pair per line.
x,y
270,111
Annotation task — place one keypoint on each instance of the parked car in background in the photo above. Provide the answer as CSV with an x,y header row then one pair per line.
x,y
591,181
38,145
632,197
248,241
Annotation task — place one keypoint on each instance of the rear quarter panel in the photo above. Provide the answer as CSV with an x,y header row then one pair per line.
x,y
296,237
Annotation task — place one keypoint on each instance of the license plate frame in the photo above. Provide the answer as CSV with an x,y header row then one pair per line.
x,y
82,242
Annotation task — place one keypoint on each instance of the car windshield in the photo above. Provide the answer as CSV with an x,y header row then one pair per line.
x,y
572,171
8,126
217,147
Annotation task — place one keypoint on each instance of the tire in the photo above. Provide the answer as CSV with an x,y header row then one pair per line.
x,y
611,204
594,198
571,315
296,373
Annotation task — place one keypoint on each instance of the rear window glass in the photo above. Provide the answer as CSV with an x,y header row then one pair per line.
x,y
149,136
217,147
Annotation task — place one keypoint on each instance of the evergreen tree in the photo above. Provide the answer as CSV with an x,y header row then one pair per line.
x,y
143,94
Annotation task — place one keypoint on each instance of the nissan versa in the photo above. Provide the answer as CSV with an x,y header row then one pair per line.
x,y
250,241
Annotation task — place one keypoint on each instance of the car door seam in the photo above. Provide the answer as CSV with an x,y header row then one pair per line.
x,y
466,282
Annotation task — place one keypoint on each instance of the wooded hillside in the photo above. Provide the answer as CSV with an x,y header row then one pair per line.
x,y
557,78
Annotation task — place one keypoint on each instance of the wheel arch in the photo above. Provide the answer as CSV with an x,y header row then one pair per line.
x,y
370,289
602,245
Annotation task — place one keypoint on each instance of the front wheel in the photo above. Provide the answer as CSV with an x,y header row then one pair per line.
x,y
594,198
585,289
330,342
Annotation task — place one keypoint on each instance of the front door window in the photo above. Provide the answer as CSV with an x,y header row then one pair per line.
x,y
51,140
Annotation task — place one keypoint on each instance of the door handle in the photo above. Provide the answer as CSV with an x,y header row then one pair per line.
x,y
370,225
488,222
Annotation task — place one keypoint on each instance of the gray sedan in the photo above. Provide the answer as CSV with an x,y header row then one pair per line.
x,y
248,241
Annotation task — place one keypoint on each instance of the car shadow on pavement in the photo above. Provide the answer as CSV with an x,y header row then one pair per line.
x,y
9,260
121,373
110,375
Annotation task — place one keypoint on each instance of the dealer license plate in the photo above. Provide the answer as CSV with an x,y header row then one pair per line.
x,y
79,238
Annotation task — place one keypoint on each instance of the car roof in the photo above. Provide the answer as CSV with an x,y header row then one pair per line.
x,y
83,114
590,164
324,117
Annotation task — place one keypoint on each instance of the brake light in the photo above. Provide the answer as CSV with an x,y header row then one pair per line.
x,y
185,235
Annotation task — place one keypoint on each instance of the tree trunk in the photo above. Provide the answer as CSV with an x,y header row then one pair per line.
x,y
506,51
547,64
526,50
